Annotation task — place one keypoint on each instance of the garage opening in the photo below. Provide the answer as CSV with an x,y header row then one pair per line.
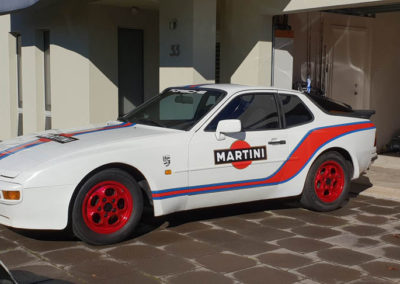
x,y
349,55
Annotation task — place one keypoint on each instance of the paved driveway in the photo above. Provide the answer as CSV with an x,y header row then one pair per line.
x,y
262,242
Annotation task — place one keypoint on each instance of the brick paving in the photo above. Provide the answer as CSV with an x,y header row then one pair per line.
x,y
269,241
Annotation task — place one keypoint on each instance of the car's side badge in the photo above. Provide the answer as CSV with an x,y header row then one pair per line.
x,y
58,138
241,154
167,160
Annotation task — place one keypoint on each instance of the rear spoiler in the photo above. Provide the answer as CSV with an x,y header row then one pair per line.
x,y
334,107
362,113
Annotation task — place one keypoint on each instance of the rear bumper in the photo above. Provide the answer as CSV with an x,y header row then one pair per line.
x,y
44,208
374,157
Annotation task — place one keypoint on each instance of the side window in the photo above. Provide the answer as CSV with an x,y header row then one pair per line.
x,y
295,111
255,111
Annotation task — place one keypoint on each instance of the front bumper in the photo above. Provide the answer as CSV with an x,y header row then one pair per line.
x,y
42,208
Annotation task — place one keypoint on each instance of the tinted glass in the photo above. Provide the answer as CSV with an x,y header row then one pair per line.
x,y
295,111
330,105
255,111
176,108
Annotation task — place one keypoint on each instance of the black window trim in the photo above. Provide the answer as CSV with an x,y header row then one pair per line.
x,y
249,92
223,92
283,113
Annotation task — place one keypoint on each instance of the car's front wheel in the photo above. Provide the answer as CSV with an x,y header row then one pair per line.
x,y
107,208
327,184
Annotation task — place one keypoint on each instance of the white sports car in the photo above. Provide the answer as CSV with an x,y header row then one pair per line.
x,y
190,147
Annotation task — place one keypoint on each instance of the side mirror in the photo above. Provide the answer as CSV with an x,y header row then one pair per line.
x,y
227,126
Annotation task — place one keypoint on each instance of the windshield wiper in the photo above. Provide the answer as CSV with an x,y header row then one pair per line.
x,y
121,118
148,121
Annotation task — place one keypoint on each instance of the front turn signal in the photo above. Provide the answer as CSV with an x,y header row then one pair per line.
x,y
11,195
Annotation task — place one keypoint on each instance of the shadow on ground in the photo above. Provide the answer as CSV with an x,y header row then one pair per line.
x,y
150,223
26,277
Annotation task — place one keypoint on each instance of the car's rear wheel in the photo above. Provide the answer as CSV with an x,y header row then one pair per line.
x,y
107,208
327,184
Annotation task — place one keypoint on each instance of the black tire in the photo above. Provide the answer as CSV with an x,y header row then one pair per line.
x,y
107,208
327,184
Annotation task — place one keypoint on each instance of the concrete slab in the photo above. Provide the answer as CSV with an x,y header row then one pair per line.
x,y
247,243
388,162
382,180
232,244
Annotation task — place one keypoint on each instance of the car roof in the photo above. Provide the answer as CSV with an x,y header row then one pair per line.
x,y
234,88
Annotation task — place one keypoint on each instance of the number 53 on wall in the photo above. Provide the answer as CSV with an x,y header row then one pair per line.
x,y
175,50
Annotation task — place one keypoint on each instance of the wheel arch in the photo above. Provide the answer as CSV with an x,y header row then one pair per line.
x,y
345,154
309,197
134,172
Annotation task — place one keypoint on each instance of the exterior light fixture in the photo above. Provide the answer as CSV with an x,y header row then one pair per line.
x,y
172,24
134,11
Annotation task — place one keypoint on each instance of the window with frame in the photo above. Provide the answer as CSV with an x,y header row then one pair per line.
x,y
255,111
295,111
176,108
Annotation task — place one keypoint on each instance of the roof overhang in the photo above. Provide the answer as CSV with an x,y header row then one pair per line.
x,y
9,6
298,6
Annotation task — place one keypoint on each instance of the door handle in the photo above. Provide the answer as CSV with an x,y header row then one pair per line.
x,y
277,142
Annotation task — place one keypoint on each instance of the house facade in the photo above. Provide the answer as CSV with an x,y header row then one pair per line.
x,y
68,63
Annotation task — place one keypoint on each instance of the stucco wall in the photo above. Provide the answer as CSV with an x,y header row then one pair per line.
x,y
69,67
83,63
195,34
385,70
104,22
8,96
246,42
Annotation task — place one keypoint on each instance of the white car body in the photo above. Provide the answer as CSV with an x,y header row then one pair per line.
x,y
48,173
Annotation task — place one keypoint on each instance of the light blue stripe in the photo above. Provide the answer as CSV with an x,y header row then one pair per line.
x,y
257,180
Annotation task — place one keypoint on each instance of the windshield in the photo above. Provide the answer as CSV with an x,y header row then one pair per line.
x,y
176,108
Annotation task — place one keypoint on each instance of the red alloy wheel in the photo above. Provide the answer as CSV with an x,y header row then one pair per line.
x,y
329,181
107,207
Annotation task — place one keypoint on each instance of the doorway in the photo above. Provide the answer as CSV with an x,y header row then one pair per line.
x,y
349,64
130,69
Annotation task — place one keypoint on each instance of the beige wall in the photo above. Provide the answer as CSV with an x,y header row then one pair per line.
x,y
8,95
246,42
385,70
104,22
83,63
84,69
195,35
69,67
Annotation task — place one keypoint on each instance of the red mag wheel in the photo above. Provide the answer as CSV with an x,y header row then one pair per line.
x,y
329,181
107,207
327,185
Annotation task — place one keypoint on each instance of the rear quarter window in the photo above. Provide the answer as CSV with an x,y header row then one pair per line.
x,y
295,111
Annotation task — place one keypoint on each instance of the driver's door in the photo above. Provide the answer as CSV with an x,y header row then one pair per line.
x,y
238,167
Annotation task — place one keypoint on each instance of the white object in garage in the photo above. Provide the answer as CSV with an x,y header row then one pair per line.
x,y
349,57
283,59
